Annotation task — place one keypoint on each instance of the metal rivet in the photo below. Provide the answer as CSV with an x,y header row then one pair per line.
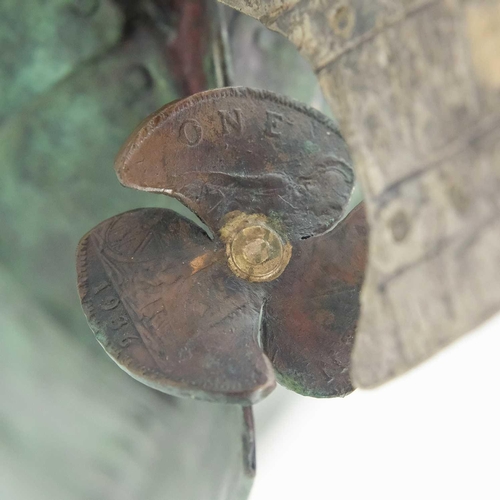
x,y
255,251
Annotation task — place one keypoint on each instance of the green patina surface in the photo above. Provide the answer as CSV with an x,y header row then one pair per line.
x,y
45,41
290,382
56,163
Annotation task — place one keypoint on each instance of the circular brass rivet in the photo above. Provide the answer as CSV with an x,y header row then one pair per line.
x,y
255,251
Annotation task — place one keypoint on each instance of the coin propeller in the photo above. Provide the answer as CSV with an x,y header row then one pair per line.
x,y
273,291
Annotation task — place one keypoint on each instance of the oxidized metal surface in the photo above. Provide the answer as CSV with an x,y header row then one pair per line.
x,y
210,317
189,47
308,328
45,42
165,305
247,150
54,156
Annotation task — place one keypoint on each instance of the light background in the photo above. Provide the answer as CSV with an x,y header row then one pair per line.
x,y
430,434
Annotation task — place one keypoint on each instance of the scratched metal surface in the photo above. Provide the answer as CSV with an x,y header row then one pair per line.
x,y
162,296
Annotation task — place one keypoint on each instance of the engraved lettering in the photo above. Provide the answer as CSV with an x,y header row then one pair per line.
x,y
109,303
274,120
191,133
127,341
100,287
231,122
117,323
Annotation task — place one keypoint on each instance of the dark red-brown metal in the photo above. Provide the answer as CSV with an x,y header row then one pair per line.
x,y
166,306
210,317
189,47
310,320
241,149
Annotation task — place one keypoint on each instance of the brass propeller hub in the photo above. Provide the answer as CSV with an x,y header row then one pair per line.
x,y
255,250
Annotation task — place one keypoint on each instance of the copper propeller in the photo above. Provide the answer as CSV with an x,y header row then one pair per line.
x,y
273,291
